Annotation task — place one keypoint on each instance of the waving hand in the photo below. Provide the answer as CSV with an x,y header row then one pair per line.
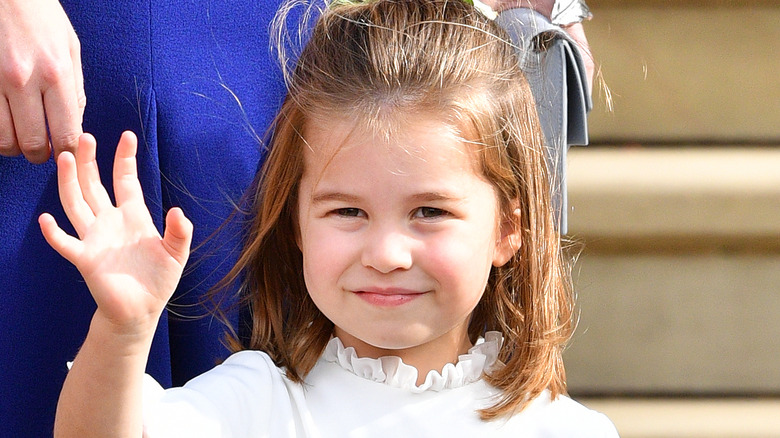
x,y
131,271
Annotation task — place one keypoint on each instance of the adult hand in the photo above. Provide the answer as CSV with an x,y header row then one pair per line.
x,y
577,33
41,81
545,7
130,270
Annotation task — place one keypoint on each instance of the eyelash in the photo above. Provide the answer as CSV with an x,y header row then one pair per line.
x,y
420,212
349,212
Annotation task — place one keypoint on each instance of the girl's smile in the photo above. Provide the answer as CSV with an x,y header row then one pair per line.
x,y
387,297
398,238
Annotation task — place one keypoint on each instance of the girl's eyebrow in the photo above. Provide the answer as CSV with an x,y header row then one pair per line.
x,y
322,197
434,196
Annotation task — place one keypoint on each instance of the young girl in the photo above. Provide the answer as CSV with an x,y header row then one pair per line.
x,y
403,269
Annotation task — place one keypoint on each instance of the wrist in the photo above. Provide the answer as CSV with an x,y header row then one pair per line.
x,y
133,336
543,7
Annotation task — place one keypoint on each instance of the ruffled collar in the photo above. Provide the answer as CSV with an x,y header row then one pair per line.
x,y
391,370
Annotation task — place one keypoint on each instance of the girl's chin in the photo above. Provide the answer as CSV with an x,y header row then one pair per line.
x,y
376,345
403,343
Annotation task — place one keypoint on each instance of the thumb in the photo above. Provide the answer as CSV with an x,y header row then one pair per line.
x,y
178,235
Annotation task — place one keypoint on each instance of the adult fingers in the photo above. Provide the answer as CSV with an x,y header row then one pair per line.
x,y
89,176
178,235
66,245
40,77
8,145
71,196
577,32
29,121
78,73
61,103
126,185
65,100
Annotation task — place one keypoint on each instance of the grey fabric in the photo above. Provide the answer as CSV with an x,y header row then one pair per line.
x,y
555,71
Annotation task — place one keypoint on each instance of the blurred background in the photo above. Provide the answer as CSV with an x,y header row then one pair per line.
x,y
677,204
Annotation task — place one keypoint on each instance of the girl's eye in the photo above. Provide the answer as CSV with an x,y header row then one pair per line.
x,y
429,212
349,212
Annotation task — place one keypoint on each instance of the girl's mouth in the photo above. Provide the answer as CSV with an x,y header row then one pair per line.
x,y
388,297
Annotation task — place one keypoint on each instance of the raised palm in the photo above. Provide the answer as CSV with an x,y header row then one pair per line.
x,y
131,271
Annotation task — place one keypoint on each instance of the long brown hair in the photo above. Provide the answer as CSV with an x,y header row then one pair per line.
x,y
369,61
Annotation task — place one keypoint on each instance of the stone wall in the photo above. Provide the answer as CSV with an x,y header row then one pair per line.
x,y
677,202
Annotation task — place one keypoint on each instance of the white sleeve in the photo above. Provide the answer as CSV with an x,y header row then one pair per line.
x,y
565,417
245,396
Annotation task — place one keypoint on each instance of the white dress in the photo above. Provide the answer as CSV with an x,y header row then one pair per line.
x,y
348,396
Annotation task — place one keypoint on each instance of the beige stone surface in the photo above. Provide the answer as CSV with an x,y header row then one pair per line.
x,y
677,324
652,192
679,280
686,71
692,418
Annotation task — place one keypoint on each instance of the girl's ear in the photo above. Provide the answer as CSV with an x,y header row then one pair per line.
x,y
509,241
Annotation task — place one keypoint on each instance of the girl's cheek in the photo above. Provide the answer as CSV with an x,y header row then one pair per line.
x,y
448,257
461,258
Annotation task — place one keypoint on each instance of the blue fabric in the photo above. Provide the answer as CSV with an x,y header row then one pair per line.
x,y
165,70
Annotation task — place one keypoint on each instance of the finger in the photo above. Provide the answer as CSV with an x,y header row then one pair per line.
x,y
178,235
126,185
78,75
577,32
8,145
71,197
63,115
30,125
66,245
89,176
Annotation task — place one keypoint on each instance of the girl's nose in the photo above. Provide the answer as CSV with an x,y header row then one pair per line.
x,y
386,251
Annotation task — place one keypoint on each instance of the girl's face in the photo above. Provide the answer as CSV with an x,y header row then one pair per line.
x,y
398,238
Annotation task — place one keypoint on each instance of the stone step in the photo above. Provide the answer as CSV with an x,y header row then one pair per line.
x,y
679,280
651,195
691,418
